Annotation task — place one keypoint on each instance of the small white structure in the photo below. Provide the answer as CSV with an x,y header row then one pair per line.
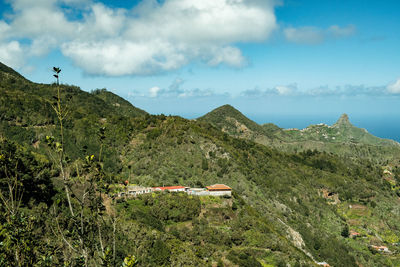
x,y
198,192
171,188
134,190
138,190
219,190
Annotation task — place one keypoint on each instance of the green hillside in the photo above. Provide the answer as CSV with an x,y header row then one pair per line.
x,y
7,71
121,106
27,116
286,208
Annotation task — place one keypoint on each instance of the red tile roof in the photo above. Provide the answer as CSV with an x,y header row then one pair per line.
x,y
218,187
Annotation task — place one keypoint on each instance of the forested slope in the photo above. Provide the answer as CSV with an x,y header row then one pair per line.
x,y
295,208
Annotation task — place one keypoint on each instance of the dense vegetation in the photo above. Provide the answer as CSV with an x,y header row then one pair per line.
x,y
57,205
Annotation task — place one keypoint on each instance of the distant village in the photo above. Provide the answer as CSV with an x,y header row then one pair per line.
x,y
212,190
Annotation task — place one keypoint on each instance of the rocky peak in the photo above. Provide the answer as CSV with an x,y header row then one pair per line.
x,y
343,120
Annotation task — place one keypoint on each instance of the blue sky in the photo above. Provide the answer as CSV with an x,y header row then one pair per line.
x,y
270,59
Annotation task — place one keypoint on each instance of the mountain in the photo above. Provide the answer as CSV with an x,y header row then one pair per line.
x,y
341,138
287,208
232,121
26,115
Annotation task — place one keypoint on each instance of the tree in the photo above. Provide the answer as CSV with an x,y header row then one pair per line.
x,y
345,232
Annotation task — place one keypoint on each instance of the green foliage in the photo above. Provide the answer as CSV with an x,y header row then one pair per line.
x,y
345,232
129,261
159,208
17,243
280,199
33,177
160,253
243,258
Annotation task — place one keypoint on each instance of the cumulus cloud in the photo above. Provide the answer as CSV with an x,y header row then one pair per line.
x,y
153,91
4,30
394,88
40,18
153,37
315,35
283,90
12,54
176,90
286,90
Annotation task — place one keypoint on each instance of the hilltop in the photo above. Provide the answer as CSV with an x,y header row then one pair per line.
x,y
286,208
232,121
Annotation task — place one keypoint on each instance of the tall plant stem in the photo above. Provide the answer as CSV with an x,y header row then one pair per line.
x,y
61,115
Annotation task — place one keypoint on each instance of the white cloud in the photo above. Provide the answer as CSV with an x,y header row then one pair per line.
x,y
35,19
153,92
283,90
76,2
42,45
196,93
286,90
153,37
315,35
4,30
304,35
175,90
118,57
206,21
340,32
394,88
325,91
229,55
102,22
11,54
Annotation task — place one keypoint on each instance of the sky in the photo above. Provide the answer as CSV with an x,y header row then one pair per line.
x,y
276,61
